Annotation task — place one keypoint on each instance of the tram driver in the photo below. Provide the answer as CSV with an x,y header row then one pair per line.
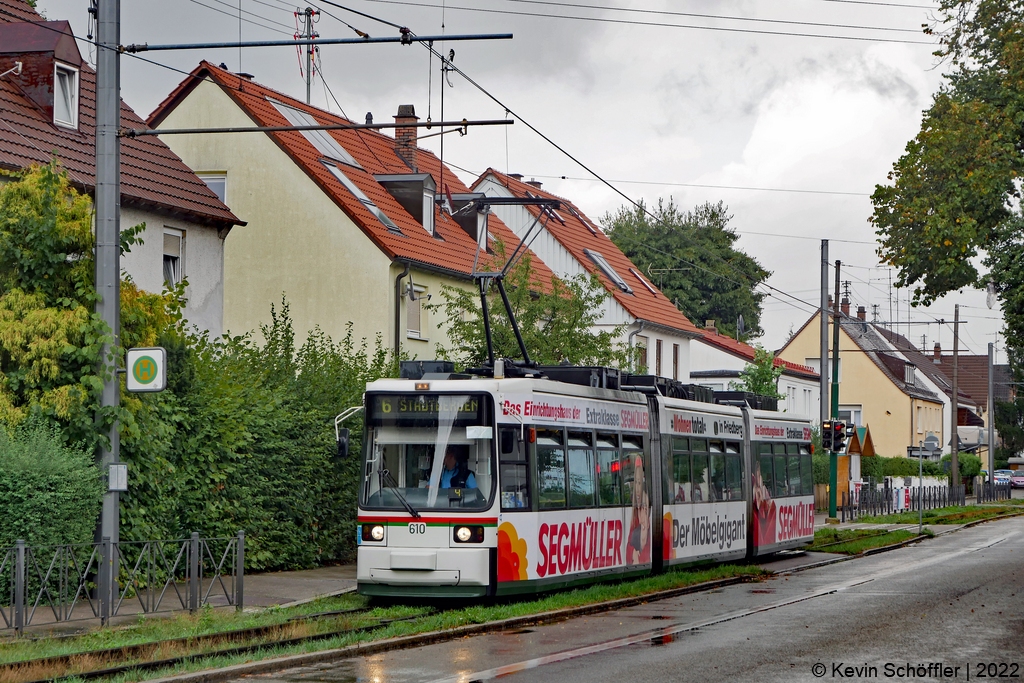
x,y
456,473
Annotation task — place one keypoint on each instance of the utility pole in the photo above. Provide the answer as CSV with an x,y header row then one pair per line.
x,y
954,439
823,365
833,457
991,417
108,259
308,34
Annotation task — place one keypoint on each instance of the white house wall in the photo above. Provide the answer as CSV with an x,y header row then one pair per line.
x,y
202,264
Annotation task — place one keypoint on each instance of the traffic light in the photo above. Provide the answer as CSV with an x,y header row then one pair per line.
x,y
838,437
826,436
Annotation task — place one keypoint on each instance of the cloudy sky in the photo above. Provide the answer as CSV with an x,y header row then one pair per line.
x,y
789,111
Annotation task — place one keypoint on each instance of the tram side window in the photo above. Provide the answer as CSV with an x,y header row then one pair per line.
x,y
582,470
550,469
793,460
806,471
515,473
767,471
733,472
609,482
717,461
701,471
781,480
632,457
682,489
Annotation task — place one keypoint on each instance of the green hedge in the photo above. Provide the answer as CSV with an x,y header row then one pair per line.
x,y
50,493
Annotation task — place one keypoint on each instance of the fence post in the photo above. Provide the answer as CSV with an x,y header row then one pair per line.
x,y
19,586
240,571
103,580
193,573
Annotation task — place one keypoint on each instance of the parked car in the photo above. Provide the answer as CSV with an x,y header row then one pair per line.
x,y
1003,476
1017,480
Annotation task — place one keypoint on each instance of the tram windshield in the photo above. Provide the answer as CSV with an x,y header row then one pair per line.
x,y
428,451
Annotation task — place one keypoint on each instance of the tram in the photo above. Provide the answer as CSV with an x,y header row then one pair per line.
x,y
476,486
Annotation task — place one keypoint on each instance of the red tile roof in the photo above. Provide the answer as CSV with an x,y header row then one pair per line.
x,y
152,176
453,250
576,232
746,351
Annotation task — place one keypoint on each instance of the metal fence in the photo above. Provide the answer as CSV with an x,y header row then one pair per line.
x,y
54,584
990,492
885,500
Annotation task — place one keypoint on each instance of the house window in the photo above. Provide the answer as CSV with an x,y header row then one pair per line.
x,y
414,311
641,354
65,96
361,196
909,377
218,183
657,357
675,361
321,139
851,415
608,271
174,252
920,422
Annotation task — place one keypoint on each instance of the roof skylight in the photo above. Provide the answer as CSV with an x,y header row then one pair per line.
x,y
607,269
361,196
321,139
645,283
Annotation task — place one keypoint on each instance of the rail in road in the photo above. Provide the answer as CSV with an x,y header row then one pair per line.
x,y
947,602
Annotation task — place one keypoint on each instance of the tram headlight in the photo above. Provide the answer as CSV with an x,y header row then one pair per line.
x,y
373,532
469,534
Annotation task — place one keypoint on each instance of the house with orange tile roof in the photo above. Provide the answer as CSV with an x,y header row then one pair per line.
x,y
48,108
717,360
572,244
343,223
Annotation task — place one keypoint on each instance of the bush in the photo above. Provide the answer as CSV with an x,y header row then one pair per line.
x,y
969,464
50,493
880,467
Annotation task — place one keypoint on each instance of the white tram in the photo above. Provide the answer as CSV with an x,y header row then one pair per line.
x,y
475,487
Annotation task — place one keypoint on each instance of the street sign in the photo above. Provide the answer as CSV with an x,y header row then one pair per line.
x,y
117,479
146,369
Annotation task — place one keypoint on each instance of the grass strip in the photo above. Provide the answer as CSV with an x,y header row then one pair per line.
x,y
955,514
857,545
466,616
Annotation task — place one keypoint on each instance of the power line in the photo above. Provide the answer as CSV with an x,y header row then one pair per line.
x,y
235,16
636,22
713,187
881,4
634,10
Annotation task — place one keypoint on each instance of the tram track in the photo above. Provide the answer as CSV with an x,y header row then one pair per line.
x,y
140,657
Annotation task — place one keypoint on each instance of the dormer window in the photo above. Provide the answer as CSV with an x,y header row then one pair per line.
x,y
65,96
909,378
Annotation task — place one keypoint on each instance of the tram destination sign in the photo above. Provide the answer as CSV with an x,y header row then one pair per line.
x,y
419,407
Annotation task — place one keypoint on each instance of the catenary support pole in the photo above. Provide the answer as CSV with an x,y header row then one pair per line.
x,y
954,437
833,458
108,252
823,364
991,416
308,35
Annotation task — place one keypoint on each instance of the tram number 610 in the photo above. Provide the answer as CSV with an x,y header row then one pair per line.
x,y
417,528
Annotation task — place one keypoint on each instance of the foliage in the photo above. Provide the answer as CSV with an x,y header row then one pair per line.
x,y
954,192
1010,425
879,467
968,463
761,376
556,319
50,493
701,270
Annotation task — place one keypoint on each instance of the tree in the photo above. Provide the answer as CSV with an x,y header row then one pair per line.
x,y
557,320
691,256
762,376
954,192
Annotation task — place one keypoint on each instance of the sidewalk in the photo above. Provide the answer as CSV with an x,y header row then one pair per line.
x,y
937,529
285,588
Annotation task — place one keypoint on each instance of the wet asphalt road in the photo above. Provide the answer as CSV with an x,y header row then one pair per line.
x,y
957,599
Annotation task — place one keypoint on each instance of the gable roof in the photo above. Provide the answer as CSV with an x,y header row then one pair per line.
x,y
578,234
452,250
746,352
972,377
927,367
152,176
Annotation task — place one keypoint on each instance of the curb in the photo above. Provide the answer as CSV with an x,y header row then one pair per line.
x,y
431,637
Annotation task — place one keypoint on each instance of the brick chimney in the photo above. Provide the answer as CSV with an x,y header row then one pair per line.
x,y
862,313
844,306
405,136
709,325
534,182
516,176
937,354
